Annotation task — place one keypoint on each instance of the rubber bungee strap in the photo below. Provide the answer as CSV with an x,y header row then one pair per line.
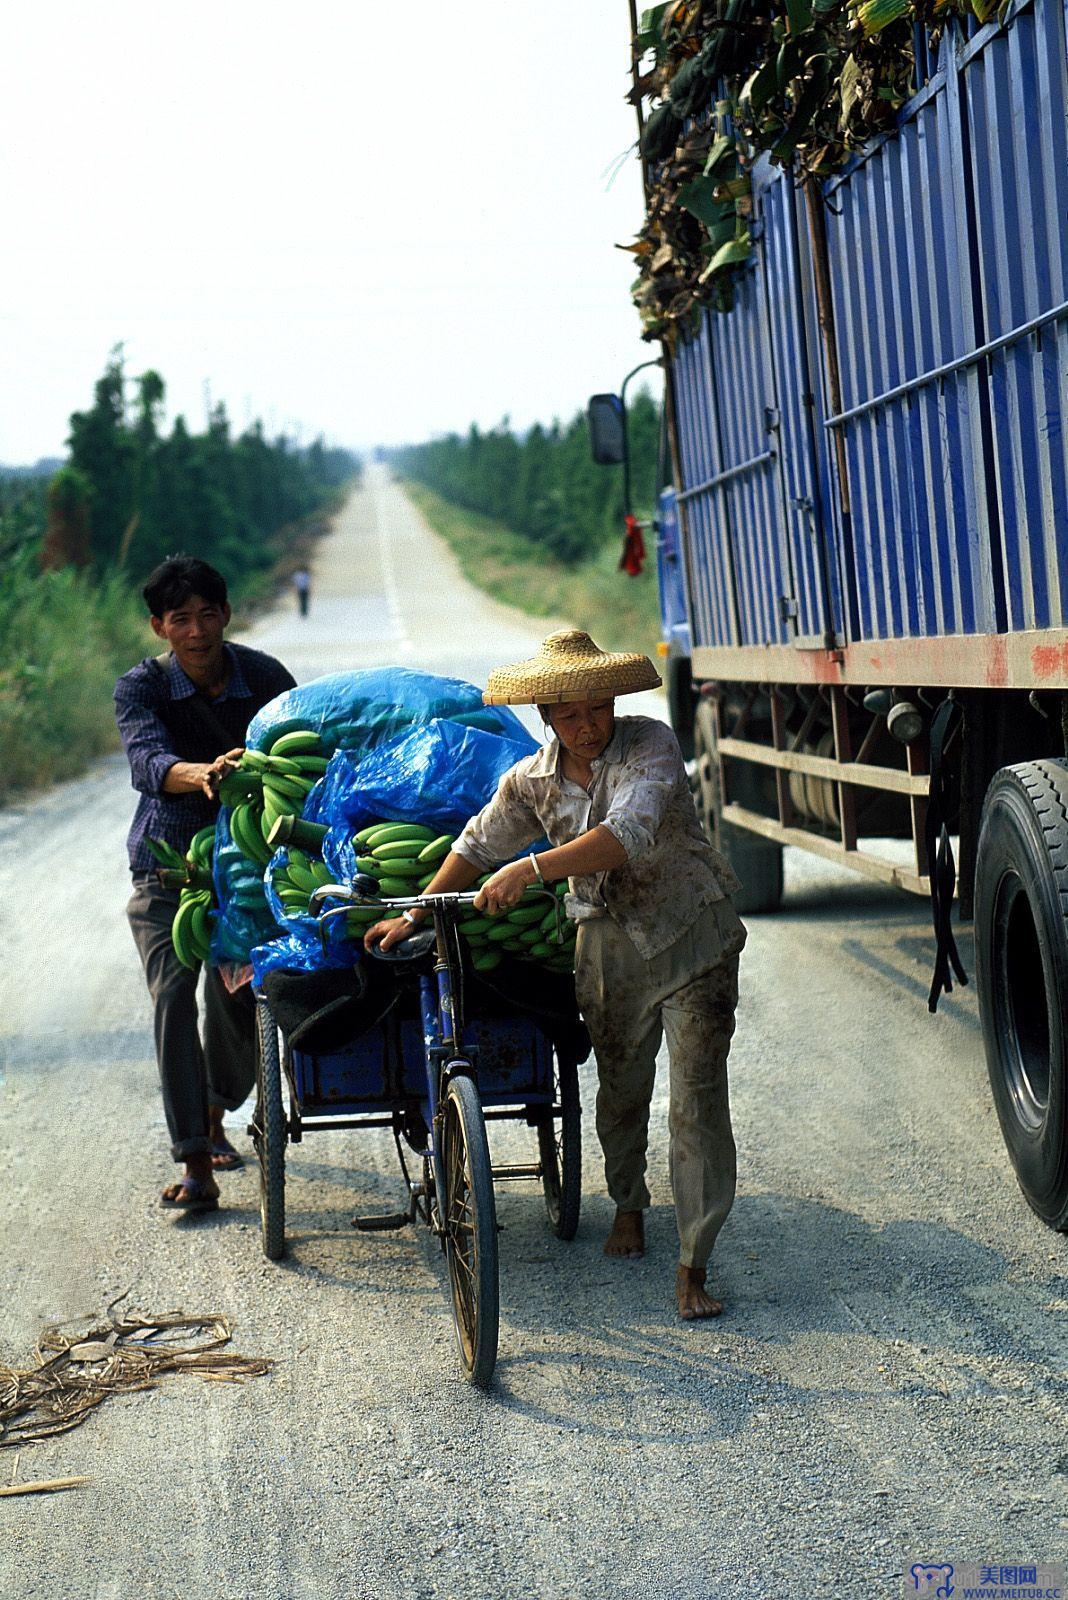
x,y
941,866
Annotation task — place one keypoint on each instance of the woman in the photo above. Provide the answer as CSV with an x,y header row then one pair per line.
x,y
658,939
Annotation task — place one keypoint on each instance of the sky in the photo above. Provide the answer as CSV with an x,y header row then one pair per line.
x,y
374,222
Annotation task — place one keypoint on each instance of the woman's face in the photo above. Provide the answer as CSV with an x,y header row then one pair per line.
x,y
583,727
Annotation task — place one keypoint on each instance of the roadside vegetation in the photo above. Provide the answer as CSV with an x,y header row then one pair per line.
x,y
535,523
77,544
63,641
620,612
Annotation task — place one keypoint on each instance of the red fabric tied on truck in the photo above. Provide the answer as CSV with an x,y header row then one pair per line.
x,y
633,558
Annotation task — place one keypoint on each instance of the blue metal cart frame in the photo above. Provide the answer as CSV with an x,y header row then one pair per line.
x,y
434,1077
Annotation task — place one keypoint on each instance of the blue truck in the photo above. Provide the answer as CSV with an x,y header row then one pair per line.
x,y
863,556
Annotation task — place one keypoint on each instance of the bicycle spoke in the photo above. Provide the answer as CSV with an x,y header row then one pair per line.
x,y
463,1261
467,1313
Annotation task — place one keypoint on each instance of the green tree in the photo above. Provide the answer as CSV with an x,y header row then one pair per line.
x,y
66,539
543,484
226,499
103,449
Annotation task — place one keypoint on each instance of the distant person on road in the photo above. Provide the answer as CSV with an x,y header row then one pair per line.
x,y
183,717
302,584
658,937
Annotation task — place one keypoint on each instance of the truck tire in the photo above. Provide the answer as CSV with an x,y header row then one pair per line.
x,y
681,703
1021,959
757,861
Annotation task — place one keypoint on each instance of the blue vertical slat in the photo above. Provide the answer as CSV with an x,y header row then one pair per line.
x,y
909,326
710,563
796,387
963,399
902,297
1016,90
713,508
838,531
689,435
752,501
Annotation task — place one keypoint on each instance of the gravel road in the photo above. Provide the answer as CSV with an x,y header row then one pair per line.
x,y
890,1377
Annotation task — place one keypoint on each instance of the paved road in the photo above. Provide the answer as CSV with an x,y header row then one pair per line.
x,y
891,1376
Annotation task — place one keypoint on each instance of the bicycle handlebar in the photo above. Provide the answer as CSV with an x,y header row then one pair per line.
x,y
461,897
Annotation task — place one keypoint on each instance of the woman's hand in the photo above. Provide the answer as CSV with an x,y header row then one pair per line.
x,y
505,888
391,931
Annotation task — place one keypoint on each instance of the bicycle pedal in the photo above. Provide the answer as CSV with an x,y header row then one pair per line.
x,y
383,1224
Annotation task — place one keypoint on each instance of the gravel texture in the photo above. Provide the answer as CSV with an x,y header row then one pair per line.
x,y
890,1376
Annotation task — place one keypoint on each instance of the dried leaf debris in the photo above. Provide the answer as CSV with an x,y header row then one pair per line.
x,y
720,83
77,1371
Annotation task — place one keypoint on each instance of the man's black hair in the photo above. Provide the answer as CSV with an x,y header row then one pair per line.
x,y
179,578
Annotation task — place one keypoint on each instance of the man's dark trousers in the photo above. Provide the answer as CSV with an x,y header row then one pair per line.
x,y
223,1070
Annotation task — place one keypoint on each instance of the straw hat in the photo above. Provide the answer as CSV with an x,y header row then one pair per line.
x,y
569,666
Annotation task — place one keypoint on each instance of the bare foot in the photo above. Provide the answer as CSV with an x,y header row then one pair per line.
x,y
627,1238
690,1295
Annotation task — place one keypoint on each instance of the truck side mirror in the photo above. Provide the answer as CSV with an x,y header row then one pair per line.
x,y
608,429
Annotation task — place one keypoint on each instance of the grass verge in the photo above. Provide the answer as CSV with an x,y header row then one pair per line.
x,y
621,613
65,640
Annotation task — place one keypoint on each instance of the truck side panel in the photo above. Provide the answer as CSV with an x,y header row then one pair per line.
x,y
817,585
732,488
951,521
900,275
1016,112
712,597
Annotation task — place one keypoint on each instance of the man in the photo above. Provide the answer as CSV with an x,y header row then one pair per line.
x,y
302,584
183,718
658,939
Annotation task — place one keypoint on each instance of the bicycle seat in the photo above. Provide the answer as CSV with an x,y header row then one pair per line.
x,y
408,951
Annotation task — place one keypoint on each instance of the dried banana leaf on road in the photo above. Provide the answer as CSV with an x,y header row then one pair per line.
x,y
76,1372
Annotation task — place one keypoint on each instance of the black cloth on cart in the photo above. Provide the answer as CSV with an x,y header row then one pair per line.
x,y
324,1010
519,988
321,1012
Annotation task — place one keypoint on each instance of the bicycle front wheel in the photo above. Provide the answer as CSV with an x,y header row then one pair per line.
x,y
560,1148
470,1221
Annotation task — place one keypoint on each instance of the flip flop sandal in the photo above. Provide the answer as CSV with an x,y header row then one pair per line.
x,y
224,1158
192,1196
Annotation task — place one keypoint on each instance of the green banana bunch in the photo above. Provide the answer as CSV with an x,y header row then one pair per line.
x,y
295,878
270,784
191,875
294,830
404,857
191,928
166,854
529,932
197,858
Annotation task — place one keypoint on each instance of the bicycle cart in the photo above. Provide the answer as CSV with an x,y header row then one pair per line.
x,y
437,1055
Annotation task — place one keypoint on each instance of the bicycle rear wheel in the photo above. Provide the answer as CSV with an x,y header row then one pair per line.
x,y
469,1216
269,1134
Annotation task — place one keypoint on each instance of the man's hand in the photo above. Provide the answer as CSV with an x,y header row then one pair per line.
x,y
219,769
505,888
391,931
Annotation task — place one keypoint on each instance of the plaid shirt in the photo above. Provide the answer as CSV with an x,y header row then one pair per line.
x,y
640,794
159,725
